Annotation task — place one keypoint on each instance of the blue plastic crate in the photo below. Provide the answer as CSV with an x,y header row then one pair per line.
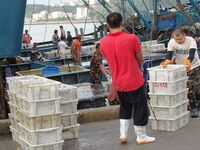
x,y
49,70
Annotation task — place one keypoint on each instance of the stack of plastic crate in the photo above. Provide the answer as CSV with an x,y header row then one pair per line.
x,y
152,46
168,97
69,115
39,115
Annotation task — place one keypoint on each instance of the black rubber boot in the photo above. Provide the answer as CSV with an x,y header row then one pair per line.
x,y
194,113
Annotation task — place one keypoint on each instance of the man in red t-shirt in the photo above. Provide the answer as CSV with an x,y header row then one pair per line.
x,y
124,56
76,50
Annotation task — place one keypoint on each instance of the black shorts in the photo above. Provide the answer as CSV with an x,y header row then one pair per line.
x,y
134,103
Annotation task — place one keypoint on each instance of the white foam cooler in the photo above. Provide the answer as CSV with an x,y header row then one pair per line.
x,y
169,112
170,124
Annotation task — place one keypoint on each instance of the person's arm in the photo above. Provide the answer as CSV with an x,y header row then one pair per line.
x,y
170,51
138,51
192,50
78,54
103,69
140,58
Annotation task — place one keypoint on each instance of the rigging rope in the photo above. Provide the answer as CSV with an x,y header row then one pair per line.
x,y
47,18
87,5
126,13
86,18
67,15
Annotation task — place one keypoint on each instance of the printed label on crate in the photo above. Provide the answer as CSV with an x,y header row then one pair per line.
x,y
163,85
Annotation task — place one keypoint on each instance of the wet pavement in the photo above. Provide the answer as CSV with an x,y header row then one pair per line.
x,y
104,136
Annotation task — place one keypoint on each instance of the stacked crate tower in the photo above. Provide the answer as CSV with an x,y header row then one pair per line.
x,y
168,97
69,115
35,112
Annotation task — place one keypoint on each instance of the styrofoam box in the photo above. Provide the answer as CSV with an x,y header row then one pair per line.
x,y
169,112
37,92
13,110
69,119
43,136
12,98
14,122
67,92
69,106
15,135
168,73
40,122
50,146
70,132
167,87
168,100
39,108
170,124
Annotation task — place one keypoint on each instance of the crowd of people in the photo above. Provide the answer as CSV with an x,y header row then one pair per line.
x,y
64,41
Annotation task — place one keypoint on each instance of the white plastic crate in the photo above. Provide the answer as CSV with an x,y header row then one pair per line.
x,y
69,119
50,146
39,108
67,92
40,122
169,112
43,136
170,124
167,87
14,122
12,98
15,135
69,106
13,110
168,73
71,132
168,100
37,92
14,82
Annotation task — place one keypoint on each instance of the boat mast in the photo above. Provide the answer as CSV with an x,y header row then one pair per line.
x,y
155,15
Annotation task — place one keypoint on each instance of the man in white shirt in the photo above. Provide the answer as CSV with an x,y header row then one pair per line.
x,y
62,46
184,48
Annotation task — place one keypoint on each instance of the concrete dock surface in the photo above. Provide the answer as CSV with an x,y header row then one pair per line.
x,y
104,136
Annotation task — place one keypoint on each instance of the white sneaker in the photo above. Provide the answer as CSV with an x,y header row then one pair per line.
x,y
144,139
